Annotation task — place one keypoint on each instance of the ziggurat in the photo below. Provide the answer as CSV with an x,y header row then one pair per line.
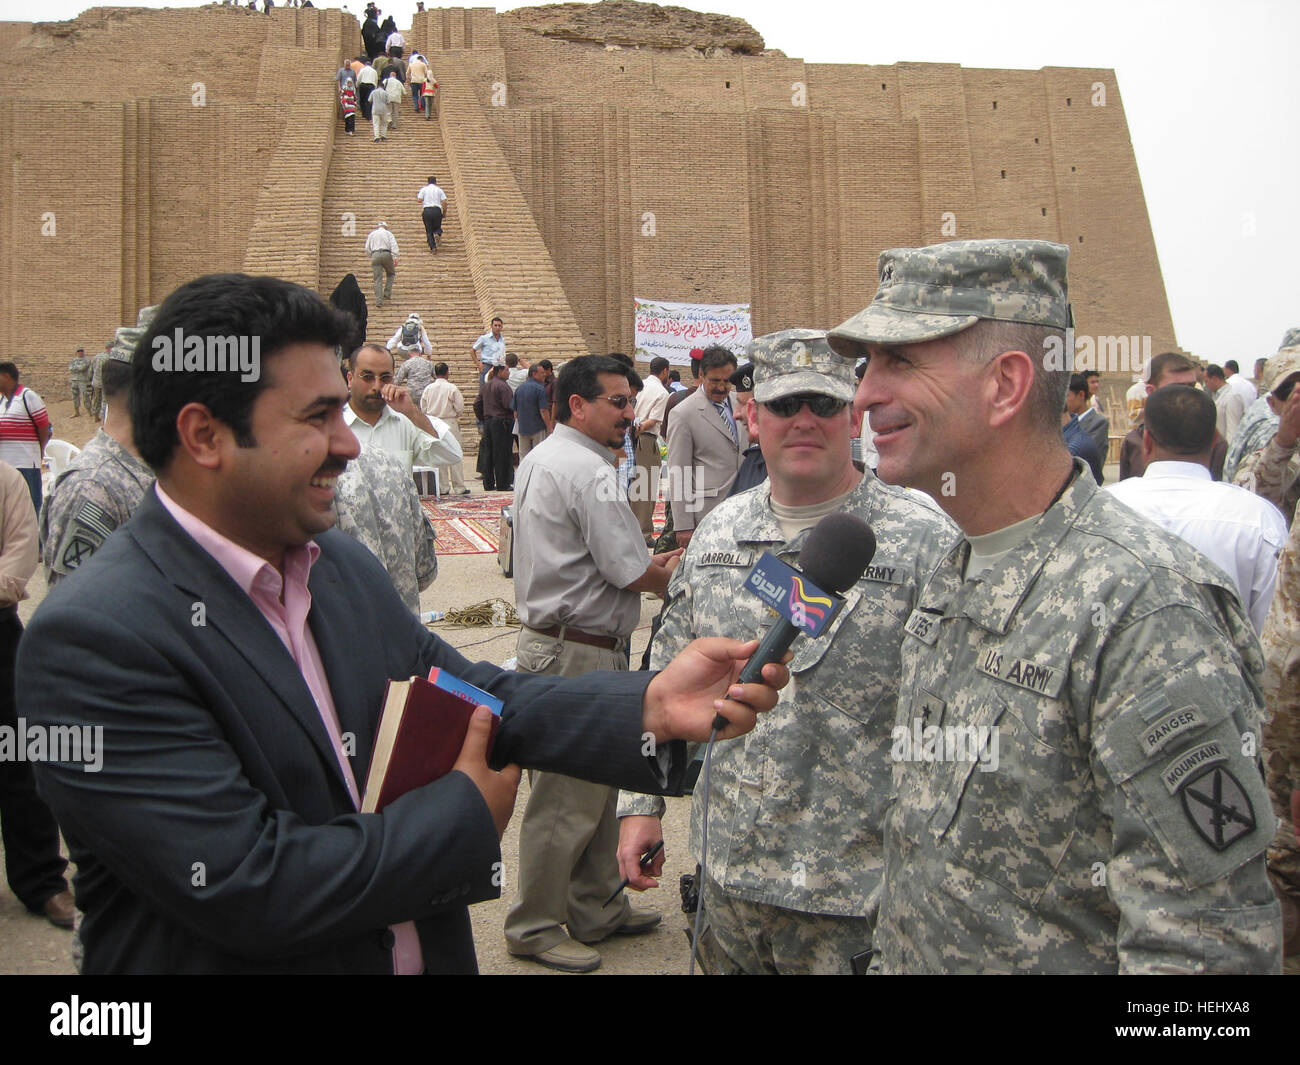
x,y
590,156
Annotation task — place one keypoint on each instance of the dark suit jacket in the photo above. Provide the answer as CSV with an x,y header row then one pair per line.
x,y
219,835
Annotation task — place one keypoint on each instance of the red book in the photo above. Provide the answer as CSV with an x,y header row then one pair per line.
x,y
421,731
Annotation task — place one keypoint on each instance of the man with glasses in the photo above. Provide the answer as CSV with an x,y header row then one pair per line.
x,y
705,442
580,568
383,415
794,861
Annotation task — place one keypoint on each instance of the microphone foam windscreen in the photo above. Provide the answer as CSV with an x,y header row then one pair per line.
x,y
837,552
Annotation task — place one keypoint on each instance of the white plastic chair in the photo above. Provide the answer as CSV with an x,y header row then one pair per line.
x,y
422,480
58,454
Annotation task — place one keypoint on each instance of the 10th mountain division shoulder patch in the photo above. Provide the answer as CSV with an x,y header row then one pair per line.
x,y
1218,807
86,532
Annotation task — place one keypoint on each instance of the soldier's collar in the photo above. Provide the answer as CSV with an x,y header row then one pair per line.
x,y
758,524
994,597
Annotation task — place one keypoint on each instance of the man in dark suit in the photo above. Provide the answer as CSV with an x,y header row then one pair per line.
x,y
222,641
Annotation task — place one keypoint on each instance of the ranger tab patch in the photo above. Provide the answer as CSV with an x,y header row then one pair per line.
x,y
1172,726
1219,808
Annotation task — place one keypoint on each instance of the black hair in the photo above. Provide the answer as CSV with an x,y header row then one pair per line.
x,y
10,368
658,364
581,377
1231,364
1181,419
116,377
624,360
440,369
715,356
1078,383
1215,370
265,310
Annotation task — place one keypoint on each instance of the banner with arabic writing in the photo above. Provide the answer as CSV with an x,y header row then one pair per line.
x,y
672,329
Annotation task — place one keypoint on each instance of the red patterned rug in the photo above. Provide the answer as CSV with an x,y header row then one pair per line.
x,y
467,525
470,525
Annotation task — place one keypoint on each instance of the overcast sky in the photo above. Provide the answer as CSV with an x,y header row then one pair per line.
x,y
1211,91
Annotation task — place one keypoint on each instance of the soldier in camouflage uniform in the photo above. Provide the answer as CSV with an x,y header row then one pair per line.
x,y
1274,471
376,504
79,382
796,809
1110,671
1280,639
103,485
97,380
1259,423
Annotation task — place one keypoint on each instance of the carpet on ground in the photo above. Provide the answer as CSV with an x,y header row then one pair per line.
x,y
470,525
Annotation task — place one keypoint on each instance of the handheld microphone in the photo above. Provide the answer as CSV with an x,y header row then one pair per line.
x,y
833,559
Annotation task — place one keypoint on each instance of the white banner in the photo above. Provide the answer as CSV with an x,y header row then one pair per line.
x,y
673,329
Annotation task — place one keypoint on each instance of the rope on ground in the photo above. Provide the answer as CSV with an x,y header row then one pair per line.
x,y
495,612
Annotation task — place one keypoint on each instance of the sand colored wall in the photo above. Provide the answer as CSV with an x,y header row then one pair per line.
x,y
770,180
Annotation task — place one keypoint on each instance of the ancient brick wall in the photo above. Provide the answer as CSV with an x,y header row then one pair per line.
x,y
585,175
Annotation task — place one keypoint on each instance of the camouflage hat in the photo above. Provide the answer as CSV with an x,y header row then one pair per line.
x,y
1281,366
796,361
743,379
928,293
1291,340
126,338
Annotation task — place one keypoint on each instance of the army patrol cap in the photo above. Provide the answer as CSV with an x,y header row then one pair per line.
x,y
1281,366
798,361
934,292
126,338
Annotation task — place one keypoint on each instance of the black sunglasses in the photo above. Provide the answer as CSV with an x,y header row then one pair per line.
x,y
821,405
618,401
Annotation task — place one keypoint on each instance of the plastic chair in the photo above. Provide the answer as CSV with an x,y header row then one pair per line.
x,y
422,479
58,454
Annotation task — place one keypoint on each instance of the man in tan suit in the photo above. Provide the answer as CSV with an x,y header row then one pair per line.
x,y
705,440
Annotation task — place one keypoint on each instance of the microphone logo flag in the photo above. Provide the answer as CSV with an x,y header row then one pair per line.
x,y
793,596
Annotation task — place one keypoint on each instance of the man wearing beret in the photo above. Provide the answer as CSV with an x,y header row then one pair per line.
x,y
794,862
1125,824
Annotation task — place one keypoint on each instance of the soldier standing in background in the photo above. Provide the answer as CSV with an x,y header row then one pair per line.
x,y
1125,826
794,865
103,485
79,381
97,380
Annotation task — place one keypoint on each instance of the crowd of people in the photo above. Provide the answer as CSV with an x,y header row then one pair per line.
x,y
376,82
1053,727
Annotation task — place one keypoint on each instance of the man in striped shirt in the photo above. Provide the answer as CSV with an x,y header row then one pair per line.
x,y
24,429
